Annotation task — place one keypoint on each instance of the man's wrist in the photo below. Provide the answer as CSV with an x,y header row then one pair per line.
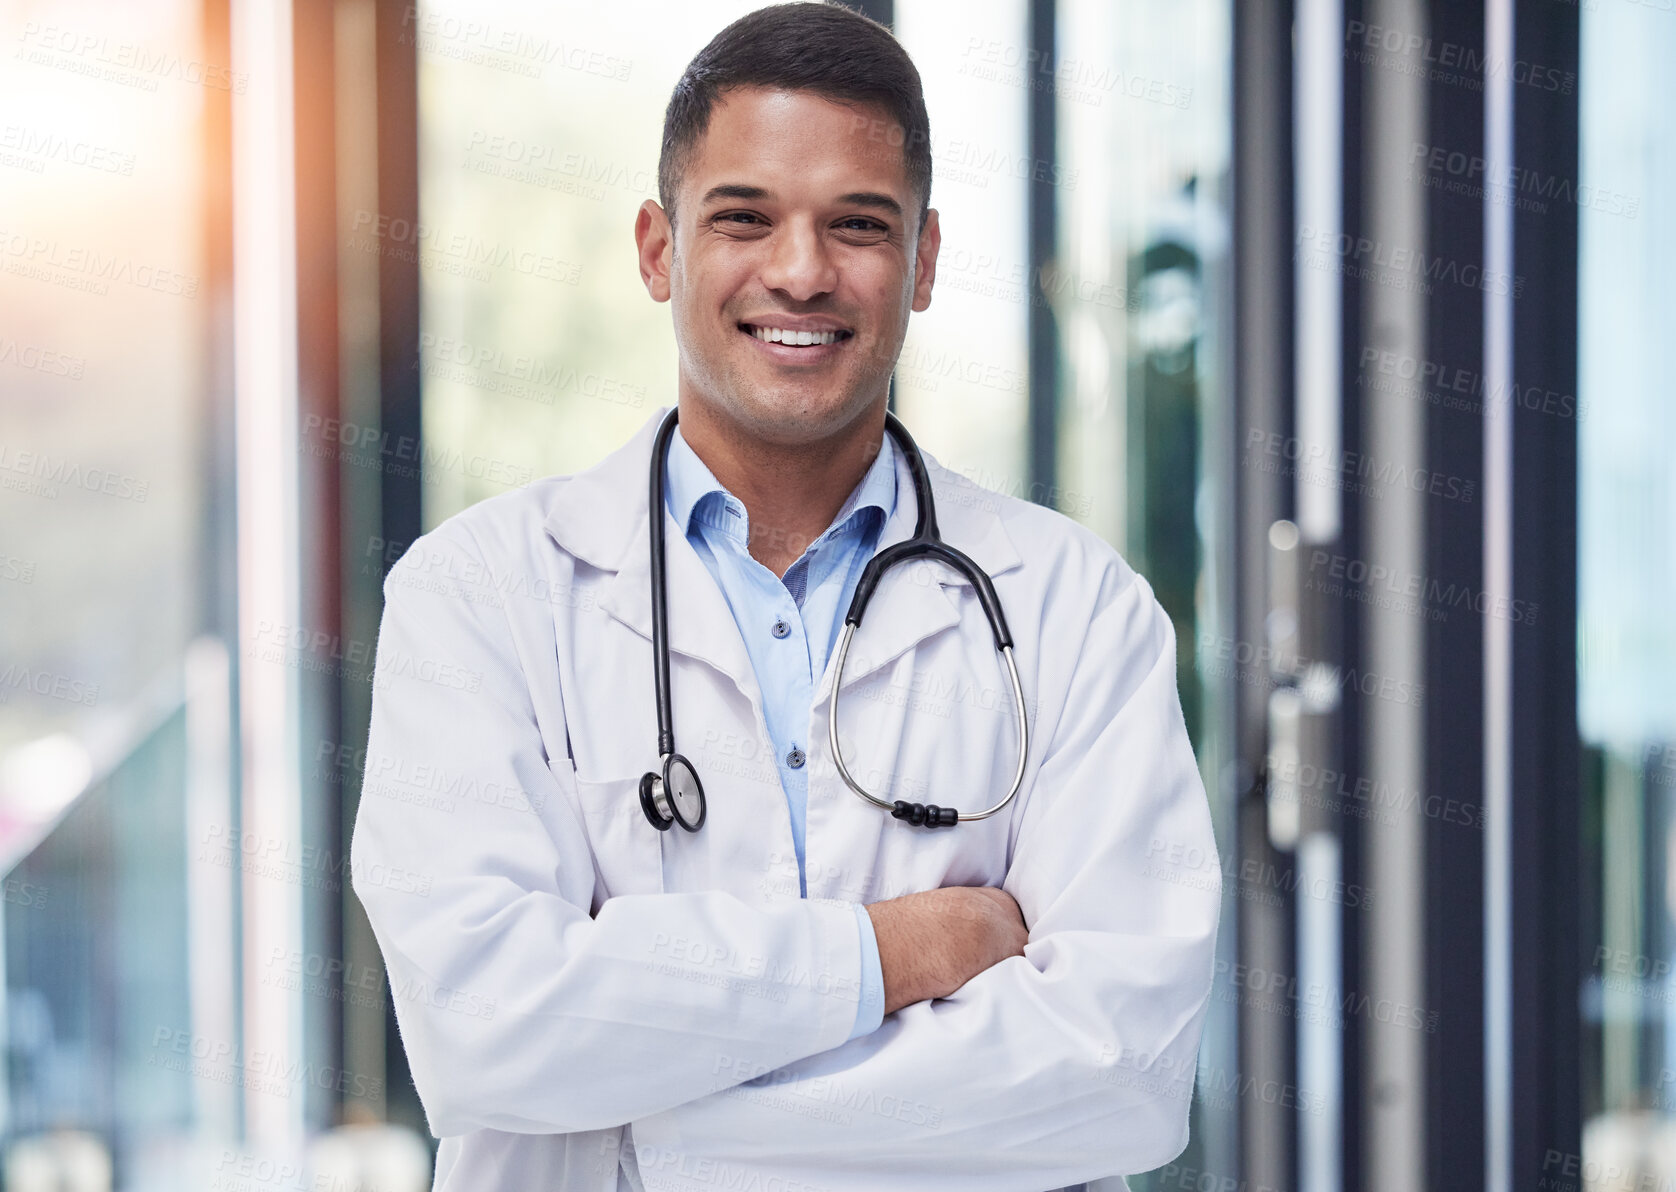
x,y
902,978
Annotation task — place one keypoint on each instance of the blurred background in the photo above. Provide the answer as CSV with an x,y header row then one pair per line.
x,y
1346,321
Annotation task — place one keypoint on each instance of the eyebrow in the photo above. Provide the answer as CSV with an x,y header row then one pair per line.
x,y
872,198
857,198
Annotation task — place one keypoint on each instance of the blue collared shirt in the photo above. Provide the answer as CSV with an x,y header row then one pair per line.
x,y
790,626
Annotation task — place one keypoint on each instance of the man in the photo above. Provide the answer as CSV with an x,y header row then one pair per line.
x,y
807,993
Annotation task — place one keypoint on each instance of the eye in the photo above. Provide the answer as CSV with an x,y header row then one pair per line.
x,y
866,225
737,217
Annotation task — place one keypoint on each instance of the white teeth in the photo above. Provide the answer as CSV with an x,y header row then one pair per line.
x,y
777,335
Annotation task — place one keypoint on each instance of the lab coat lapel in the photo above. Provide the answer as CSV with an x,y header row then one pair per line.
x,y
600,516
910,603
701,624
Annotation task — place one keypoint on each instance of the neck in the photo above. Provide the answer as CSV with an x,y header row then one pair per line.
x,y
791,491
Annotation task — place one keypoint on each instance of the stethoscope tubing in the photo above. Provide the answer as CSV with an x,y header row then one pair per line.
x,y
926,542
660,595
891,805
656,797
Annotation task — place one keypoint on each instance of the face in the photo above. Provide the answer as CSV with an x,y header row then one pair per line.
x,y
795,221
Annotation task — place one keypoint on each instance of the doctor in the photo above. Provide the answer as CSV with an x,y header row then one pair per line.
x,y
806,992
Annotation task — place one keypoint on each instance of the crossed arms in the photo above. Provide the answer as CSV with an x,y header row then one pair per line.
x,y
1001,1063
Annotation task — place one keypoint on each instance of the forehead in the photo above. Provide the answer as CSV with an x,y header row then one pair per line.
x,y
798,143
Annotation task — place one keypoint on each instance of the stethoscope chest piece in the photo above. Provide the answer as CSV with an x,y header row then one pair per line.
x,y
674,797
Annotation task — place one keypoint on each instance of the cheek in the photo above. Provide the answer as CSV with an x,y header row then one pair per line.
x,y
716,287
883,293
898,304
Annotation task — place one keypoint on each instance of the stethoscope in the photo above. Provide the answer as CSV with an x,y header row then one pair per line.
x,y
677,796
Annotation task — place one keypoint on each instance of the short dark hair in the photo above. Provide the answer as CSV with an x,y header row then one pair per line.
x,y
828,49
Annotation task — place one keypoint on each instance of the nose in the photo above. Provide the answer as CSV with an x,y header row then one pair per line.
x,y
799,264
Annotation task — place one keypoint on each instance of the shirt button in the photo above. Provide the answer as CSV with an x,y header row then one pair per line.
x,y
795,758
781,628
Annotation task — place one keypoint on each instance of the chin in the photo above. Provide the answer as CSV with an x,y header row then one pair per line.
x,y
794,418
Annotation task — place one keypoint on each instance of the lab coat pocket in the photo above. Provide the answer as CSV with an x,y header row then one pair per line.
x,y
628,851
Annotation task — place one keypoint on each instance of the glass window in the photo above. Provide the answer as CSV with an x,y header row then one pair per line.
x,y
105,502
540,350
1143,119
962,379
101,348
1626,637
1143,132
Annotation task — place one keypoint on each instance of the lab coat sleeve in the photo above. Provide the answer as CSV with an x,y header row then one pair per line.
x,y
520,1012
1069,1063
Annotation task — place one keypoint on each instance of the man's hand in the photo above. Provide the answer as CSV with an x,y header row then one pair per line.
x,y
933,942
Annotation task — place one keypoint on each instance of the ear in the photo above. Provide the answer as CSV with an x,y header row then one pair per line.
x,y
655,242
925,259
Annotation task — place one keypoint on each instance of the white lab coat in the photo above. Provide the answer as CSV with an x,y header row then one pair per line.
x,y
590,1004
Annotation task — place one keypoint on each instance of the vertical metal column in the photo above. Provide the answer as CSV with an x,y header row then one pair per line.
x,y
882,11
1393,416
1452,702
1041,242
1498,578
1545,961
400,420
398,272
363,549
320,521
1262,376
1320,280
218,614
265,387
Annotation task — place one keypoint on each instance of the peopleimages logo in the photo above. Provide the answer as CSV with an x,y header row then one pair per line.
x,y
1316,458
1362,256
46,683
1444,61
1330,573
1529,189
126,62
481,44
1453,384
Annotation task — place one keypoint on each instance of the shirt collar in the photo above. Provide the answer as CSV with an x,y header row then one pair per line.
x,y
689,485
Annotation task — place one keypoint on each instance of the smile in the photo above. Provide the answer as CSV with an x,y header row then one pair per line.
x,y
791,338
